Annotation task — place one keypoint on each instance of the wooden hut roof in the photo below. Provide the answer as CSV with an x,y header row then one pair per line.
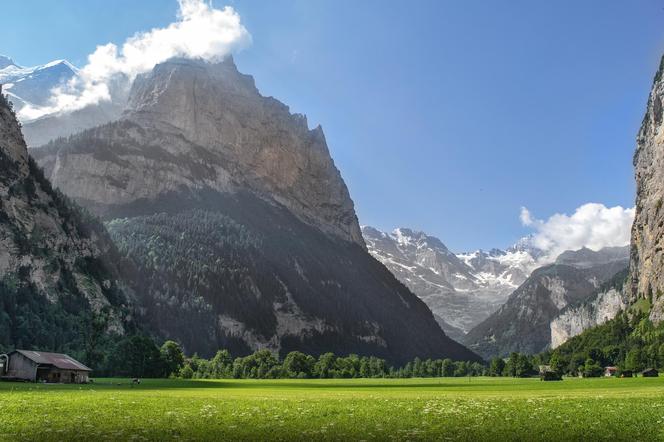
x,y
58,360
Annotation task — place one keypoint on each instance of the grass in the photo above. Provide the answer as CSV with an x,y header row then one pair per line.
x,y
641,306
368,409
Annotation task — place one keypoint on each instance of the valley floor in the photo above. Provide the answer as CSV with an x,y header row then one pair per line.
x,y
368,409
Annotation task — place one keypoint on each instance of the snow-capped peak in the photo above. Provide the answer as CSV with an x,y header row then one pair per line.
x,y
462,289
6,61
11,72
34,85
55,63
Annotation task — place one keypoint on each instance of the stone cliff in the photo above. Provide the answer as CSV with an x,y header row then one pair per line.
x,y
192,125
647,246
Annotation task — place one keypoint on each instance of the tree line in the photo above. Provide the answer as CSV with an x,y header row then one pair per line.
x,y
139,356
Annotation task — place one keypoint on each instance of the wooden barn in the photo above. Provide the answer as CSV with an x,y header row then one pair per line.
x,y
610,371
38,366
650,373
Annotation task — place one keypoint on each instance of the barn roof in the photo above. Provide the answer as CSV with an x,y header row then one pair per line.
x,y
57,360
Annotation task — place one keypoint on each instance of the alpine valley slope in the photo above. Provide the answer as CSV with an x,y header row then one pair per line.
x,y
462,290
55,276
523,323
239,223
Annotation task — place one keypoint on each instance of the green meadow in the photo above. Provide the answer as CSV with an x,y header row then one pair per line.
x,y
363,409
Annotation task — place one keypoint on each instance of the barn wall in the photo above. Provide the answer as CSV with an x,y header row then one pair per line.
x,y
57,375
21,367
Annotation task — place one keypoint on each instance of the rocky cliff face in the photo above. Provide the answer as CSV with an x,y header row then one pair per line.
x,y
523,323
54,271
647,246
461,290
599,308
241,227
196,125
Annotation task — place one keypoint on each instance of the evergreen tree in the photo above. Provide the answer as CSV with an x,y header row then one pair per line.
x,y
172,356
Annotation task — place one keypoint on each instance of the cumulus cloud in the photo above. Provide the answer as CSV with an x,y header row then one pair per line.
x,y
200,31
592,225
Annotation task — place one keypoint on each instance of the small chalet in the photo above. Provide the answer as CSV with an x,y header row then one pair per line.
x,y
650,373
544,369
610,371
547,373
39,366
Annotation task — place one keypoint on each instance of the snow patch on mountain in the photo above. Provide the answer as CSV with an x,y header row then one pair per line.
x,y
461,289
33,85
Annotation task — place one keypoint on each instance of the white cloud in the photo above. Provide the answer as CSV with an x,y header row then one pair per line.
x,y
592,225
200,31
525,217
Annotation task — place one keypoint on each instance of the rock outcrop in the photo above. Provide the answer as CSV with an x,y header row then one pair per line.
x,y
598,309
647,245
56,271
241,228
196,125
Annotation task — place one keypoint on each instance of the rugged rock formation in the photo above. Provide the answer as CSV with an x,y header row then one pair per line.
x,y
603,306
54,273
461,290
647,246
195,125
239,223
523,323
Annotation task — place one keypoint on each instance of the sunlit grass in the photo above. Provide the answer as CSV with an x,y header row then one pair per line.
x,y
378,409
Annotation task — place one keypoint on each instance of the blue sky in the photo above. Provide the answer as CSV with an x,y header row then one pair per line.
x,y
442,116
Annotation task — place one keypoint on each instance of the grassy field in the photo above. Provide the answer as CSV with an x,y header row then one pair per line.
x,y
366,409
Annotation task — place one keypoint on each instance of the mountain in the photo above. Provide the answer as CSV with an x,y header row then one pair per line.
x,y
522,324
586,258
239,223
6,62
461,290
647,252
605,304
33,86
63,124
57,278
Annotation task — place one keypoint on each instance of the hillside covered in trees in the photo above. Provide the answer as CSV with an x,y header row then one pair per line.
x,y
59,283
